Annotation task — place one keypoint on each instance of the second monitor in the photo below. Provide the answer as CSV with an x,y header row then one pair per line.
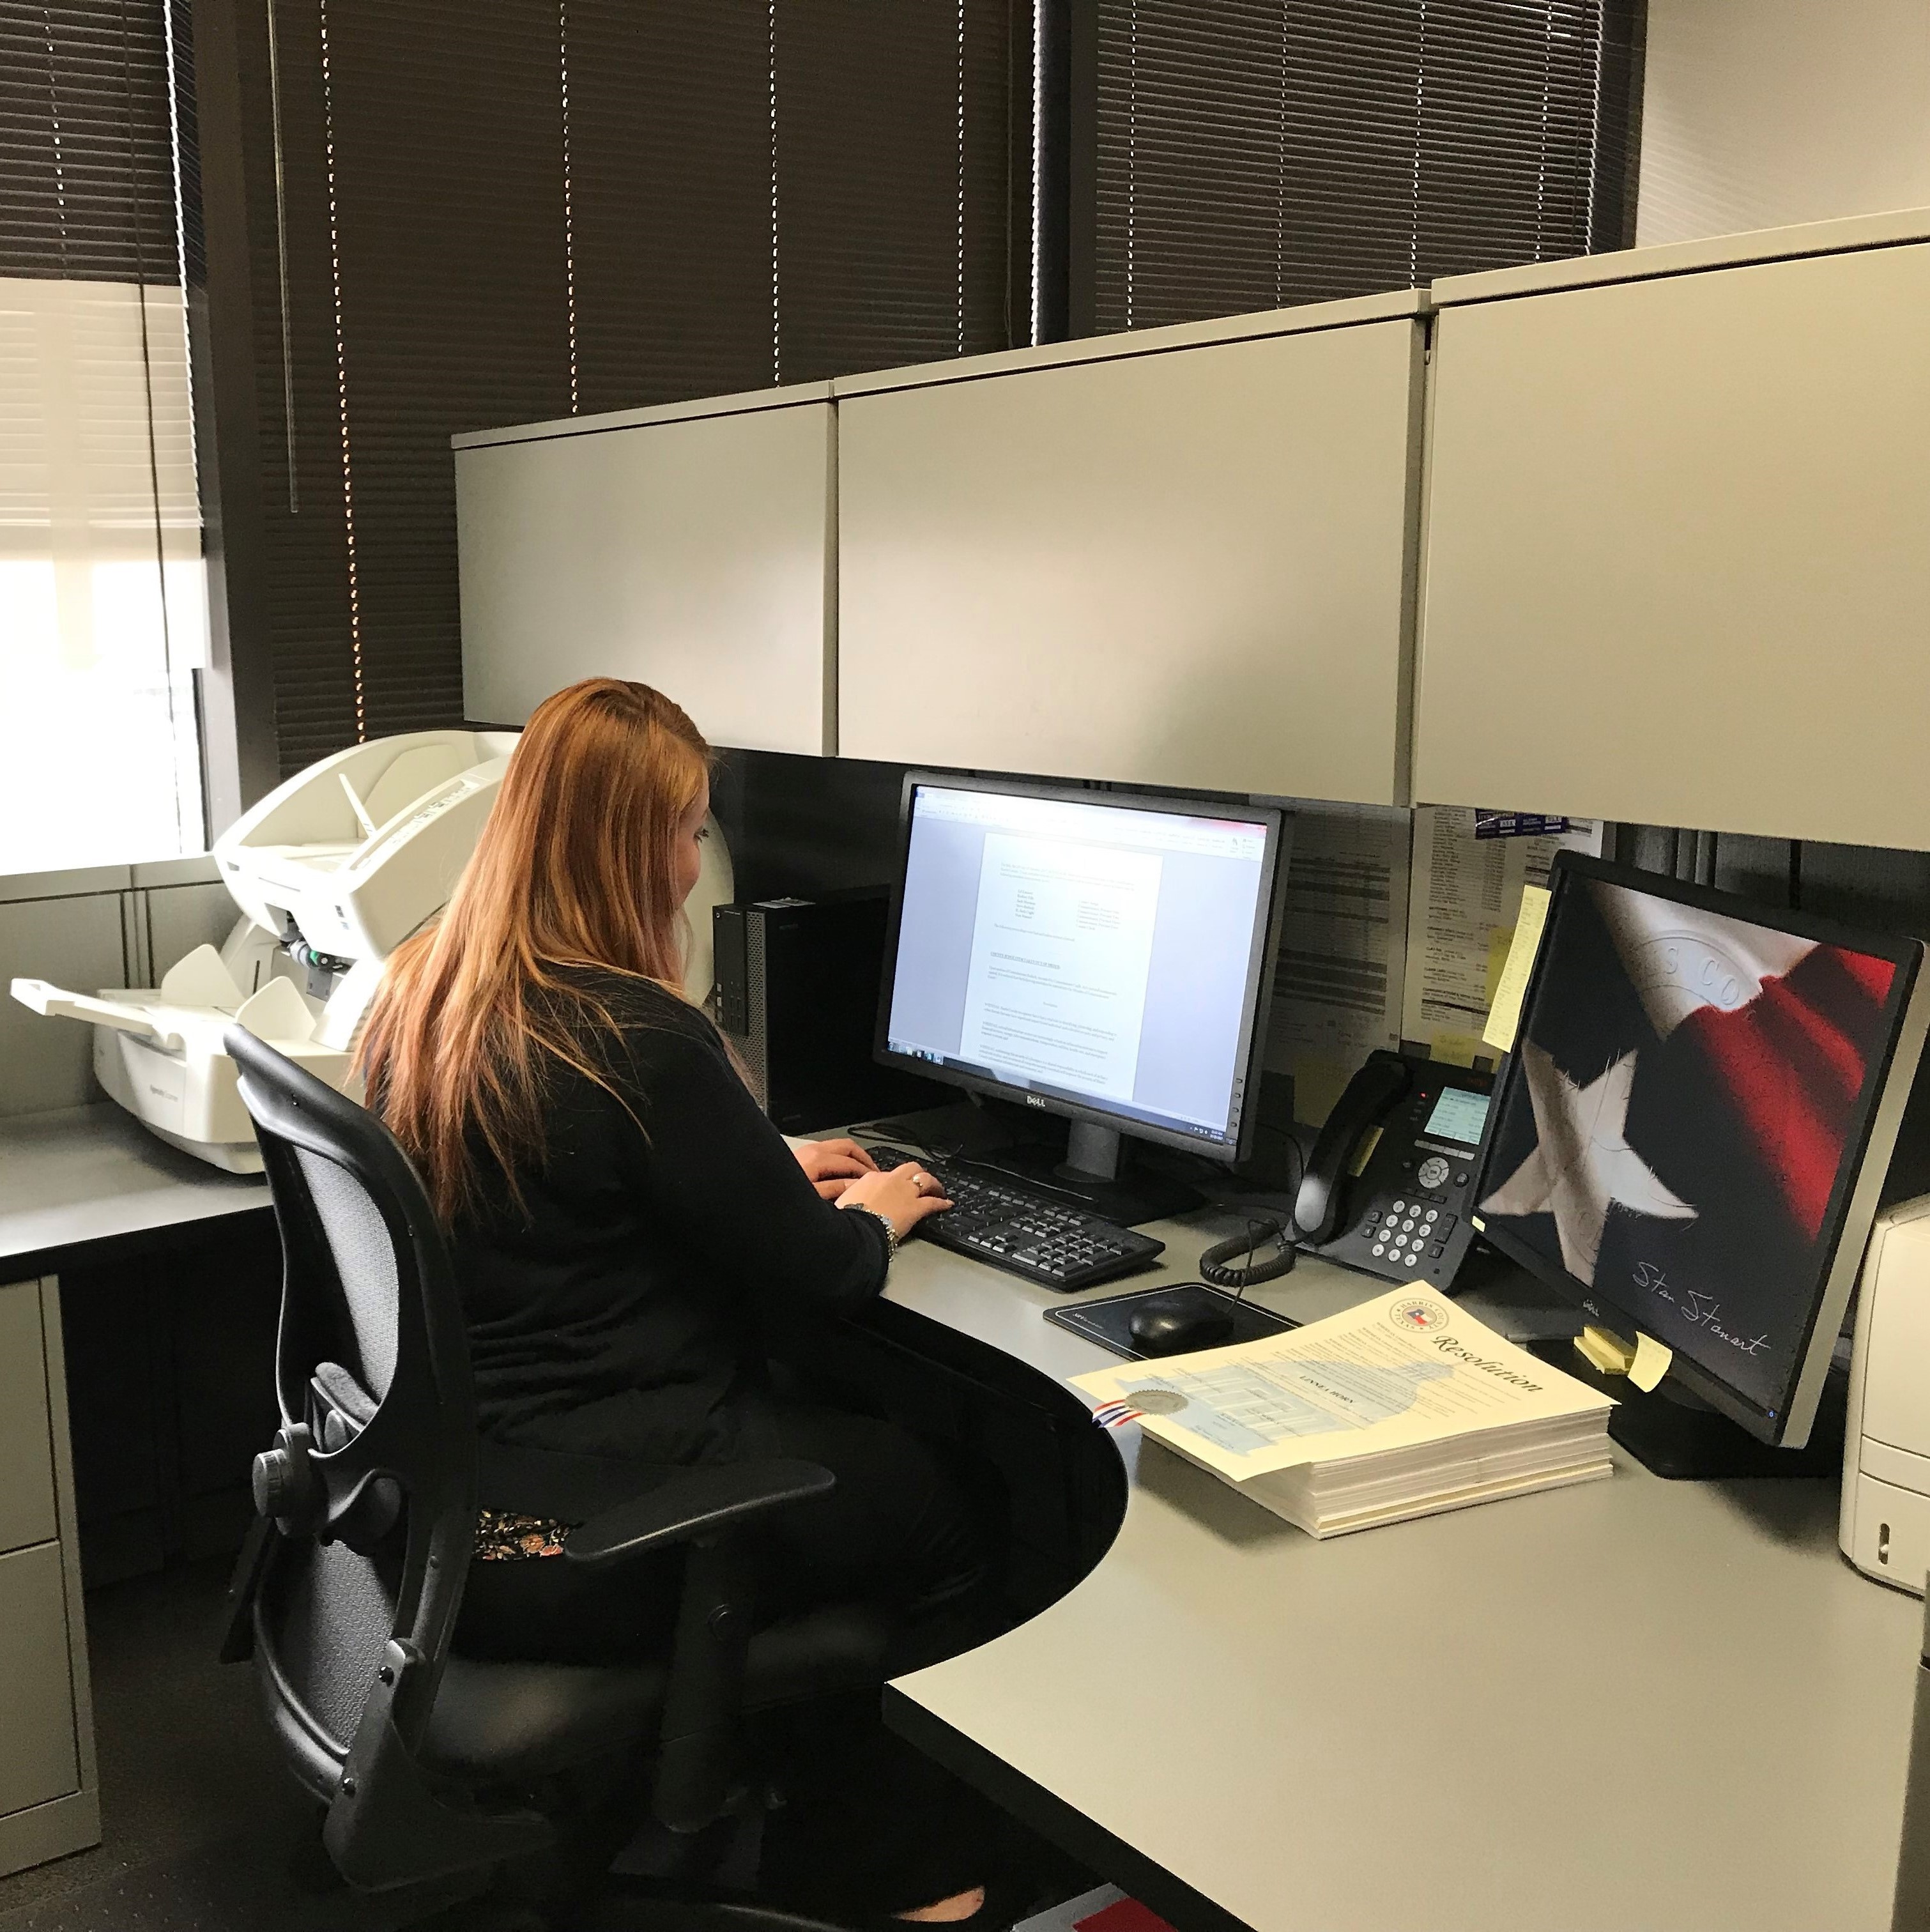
x,y
1095,955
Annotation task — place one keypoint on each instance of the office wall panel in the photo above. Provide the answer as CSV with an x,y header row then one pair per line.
x,y
180,918
690,552
1676,569
1182,568
76,942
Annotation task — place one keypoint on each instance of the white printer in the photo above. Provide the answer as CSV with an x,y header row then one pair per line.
x,y
1885,1525
350,857
332,870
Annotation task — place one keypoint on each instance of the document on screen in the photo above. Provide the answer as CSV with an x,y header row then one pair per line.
x,y
1061,942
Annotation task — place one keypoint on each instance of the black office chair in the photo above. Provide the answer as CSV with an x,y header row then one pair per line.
x,y
497,1792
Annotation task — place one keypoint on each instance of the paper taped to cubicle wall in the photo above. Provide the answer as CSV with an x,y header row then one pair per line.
x,y
1343,952
1462,895
1403,1406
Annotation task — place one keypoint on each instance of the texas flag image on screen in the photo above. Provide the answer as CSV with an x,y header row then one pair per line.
x,y
1688,1084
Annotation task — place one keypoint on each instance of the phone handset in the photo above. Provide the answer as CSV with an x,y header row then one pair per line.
x,y
1371,1096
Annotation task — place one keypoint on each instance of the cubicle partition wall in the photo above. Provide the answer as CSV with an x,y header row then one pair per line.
x,y
103,926
688,546
1677,569
1178,558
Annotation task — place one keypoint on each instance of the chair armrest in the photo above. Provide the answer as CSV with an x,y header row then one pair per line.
x,y
694,1506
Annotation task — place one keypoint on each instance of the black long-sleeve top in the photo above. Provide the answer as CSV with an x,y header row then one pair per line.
x,y
614,1318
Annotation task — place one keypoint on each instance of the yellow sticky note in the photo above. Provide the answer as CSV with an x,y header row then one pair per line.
x,y
1500,944
1651,1363
1609,1353
1477,1224
1504,1015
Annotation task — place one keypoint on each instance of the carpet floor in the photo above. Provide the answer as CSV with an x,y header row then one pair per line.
x,y
202,1829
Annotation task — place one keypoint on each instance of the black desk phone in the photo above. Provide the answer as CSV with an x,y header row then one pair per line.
x,y
1389,1185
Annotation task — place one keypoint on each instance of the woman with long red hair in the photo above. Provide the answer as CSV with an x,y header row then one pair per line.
x,y
627,1225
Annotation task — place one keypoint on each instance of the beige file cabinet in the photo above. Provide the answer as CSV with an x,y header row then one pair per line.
x,y
1676,567
49,1801
1175,558
687,547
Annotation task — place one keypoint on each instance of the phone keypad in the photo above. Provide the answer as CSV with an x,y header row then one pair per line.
x,y
1408,1227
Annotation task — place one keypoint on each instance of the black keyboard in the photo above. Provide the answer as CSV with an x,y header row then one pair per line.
x,y
996,1219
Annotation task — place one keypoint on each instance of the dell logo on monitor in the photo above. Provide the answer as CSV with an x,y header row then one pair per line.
x,y
1032,1100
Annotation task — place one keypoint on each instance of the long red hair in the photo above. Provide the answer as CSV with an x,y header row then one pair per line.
x,y
576,867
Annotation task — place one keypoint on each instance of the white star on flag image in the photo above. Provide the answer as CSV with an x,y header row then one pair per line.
x,y
1583,1164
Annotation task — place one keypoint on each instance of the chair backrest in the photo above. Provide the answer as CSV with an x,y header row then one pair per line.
x,y
372,1482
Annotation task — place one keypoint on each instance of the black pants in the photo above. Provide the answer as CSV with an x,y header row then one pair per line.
x,y
872,1824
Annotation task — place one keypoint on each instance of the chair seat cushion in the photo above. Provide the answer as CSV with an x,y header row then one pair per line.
x,y
516,1721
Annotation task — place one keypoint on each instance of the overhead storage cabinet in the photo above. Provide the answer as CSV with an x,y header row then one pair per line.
x,y
1677,564
1179,558
687,546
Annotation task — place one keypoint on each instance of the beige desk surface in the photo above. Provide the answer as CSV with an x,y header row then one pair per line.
x,y
1637,1706
87,1173
1640,1706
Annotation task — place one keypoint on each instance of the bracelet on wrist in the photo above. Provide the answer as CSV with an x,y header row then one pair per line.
x,y
884,1221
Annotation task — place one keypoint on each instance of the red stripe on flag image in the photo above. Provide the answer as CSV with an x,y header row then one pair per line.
x,y
1792,1062
1875,977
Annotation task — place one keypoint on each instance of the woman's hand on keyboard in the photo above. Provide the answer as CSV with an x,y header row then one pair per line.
x,y
831,1166
905,1196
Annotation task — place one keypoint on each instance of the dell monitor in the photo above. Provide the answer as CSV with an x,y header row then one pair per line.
x,y
1692,1132
1092,954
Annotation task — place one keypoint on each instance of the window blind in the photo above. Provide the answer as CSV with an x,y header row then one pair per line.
x,y
467,216
670,194
102,610
86,163
1254,154
892,204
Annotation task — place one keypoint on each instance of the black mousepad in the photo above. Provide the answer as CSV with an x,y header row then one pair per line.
x,y
1109,1322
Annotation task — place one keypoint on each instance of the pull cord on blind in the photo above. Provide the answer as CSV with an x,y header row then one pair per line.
x,y
468,217
100,576
1254,153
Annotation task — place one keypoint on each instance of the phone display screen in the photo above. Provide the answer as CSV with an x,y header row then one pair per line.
x,y
1459,1115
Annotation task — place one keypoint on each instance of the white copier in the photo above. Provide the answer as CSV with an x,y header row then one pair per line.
x,y
332,870
1885,1525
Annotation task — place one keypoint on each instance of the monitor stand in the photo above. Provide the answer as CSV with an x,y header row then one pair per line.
x,y
1095,1173
1676,1434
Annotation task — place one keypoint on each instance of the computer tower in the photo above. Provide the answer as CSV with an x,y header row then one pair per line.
x,y
798,992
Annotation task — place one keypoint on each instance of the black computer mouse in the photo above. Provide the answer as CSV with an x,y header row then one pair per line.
x,y
1177,1327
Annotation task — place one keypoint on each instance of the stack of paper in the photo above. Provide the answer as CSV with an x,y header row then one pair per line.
x,y
1402,1407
